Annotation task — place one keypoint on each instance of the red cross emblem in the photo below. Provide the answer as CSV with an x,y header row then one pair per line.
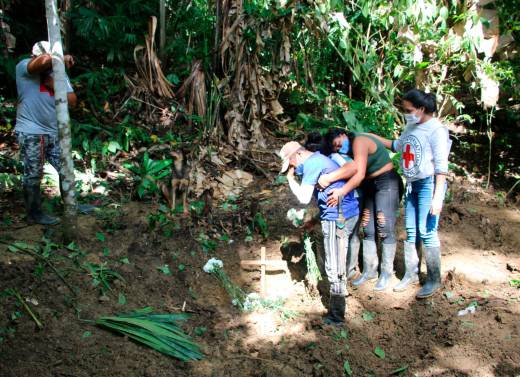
x,y
408,156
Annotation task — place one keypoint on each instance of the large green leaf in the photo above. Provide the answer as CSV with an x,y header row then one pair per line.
x,y
157,331
379,352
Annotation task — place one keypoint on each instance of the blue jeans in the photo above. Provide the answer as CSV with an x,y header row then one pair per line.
x,y
417,216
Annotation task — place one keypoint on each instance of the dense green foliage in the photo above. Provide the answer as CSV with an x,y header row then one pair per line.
x,y
349,63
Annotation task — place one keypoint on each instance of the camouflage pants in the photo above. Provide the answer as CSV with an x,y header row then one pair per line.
x,y
34,151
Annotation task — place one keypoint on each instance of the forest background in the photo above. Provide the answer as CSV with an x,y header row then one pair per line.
x,y
232,75
227,82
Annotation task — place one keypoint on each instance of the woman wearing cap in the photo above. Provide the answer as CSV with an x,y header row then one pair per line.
x,y
381,188
336,222
424,147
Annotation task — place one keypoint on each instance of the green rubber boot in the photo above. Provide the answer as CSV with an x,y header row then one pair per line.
x,y
387,266
433,269
369,263
353,257
32,198
411,265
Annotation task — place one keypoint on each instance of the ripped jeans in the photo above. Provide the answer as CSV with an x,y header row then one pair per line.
x,y
381,195
417,217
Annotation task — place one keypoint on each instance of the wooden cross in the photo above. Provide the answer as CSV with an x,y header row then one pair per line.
x,y
270,265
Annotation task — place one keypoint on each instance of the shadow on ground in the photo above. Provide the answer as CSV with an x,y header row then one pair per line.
x,y
385,334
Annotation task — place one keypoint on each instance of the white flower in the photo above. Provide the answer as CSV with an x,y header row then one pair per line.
x,y
253,296
212,264
252,302
235,302
296,216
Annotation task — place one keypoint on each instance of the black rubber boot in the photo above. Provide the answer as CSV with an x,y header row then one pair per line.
x,y
411,265
336,314
433,269
369,263
387,266
32,198
353,257
84,209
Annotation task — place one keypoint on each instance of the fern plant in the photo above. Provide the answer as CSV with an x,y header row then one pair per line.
x,y
149,172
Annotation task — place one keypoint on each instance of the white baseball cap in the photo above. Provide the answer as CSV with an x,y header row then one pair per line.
x,y
286,152
42,47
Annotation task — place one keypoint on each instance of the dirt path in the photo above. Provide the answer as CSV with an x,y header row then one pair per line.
x,y
421,338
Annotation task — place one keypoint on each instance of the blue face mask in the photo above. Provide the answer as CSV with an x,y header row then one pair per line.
x,y
345,147
299,170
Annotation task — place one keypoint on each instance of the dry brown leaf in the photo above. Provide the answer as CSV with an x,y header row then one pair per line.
x,y
276,108
251,91
149,72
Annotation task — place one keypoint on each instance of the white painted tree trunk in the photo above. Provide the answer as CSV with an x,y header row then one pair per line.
x,y
62,112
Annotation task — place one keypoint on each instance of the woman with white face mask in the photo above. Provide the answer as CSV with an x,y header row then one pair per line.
x,y
424,146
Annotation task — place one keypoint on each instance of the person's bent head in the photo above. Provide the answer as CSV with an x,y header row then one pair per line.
x,y
316,143
418,106
292,155
337,140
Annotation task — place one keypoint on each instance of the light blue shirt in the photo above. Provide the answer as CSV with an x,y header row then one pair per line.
x,y
313,168
342,159
36,111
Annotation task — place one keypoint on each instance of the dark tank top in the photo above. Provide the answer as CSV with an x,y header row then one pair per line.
x,y
379,158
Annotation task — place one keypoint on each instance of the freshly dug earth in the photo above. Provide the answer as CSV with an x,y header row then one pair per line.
x,y
481,254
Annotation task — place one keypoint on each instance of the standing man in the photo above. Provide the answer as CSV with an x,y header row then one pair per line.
x,y
36,125
337,222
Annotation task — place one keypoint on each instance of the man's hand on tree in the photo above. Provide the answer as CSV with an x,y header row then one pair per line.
x,y
69,61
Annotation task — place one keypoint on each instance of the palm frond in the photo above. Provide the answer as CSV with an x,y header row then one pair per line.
x,y
158,331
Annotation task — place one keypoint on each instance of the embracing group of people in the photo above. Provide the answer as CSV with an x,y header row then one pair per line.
x,y
355,184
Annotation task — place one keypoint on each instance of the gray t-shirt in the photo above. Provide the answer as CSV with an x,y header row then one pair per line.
x,y
36,112
424,149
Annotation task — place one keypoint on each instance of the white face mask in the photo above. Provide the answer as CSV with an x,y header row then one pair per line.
x,y
411,118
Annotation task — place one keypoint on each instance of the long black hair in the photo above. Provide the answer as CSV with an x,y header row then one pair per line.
x,y
316,142
333,133
419,99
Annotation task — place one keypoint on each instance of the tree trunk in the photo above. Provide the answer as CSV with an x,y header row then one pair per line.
x,y
218,25
62,113
67,5
162,29
8,39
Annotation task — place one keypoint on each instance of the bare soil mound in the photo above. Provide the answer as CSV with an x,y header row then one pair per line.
x,y
385,334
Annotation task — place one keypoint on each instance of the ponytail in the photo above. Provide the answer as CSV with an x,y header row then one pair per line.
x,y
419,99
